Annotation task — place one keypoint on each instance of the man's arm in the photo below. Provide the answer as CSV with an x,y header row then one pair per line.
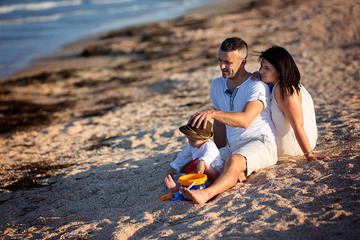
x,y
234,119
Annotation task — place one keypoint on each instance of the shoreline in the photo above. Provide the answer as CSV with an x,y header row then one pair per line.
x,y
92,137
73,49
52,43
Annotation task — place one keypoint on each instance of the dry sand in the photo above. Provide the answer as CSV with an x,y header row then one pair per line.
x,y
86,141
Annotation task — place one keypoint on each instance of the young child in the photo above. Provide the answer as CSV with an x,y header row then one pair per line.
x,y
200,153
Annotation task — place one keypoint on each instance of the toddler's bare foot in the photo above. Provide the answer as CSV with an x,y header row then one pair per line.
x,y
198,196
170,184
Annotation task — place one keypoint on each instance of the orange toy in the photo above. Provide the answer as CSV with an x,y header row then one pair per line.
x,y
167,197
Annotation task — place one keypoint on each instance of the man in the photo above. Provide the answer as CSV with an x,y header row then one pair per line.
x,y
242,124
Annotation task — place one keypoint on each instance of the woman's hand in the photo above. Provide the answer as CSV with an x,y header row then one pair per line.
x,y
311,157
255,76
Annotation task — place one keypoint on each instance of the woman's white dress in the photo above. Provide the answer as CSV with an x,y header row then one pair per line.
x,y
287,144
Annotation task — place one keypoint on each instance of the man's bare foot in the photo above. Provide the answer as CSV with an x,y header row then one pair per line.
x,y
198,196
170,184
242,177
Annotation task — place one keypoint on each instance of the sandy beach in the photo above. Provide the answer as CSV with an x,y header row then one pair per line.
x,y
87,134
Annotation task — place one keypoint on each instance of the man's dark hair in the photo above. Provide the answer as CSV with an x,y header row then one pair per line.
x,y
234,43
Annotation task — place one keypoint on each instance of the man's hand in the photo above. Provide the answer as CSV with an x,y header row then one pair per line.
x,y
199,117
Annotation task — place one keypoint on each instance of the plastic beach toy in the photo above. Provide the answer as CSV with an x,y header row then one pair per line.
x,y
167,197
193,181
179,196
188,179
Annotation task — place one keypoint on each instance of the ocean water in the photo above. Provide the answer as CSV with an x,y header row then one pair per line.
x,y
32,28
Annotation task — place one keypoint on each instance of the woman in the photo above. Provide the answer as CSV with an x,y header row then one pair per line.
x,y
292,108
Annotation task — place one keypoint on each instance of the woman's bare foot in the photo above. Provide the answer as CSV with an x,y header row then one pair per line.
x,y
170,184
198,196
